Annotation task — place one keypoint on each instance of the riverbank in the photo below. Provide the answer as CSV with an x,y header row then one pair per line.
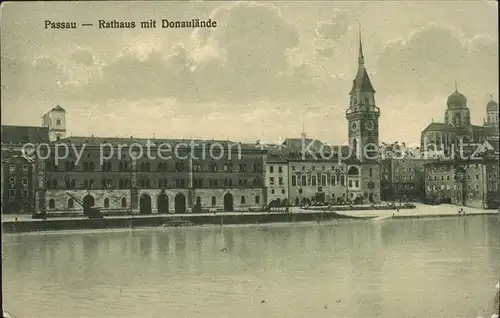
x,y
420,211
22,225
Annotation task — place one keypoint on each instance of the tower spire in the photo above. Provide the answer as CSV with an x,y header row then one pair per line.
x,y
456,86
361,59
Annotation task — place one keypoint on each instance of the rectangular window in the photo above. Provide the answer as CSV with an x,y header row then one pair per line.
x,y
257,199
294,181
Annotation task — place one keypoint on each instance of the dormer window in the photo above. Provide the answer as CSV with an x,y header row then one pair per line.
x,y
58,122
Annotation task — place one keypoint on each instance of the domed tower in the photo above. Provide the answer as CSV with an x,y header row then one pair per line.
x,y
491,121
457,114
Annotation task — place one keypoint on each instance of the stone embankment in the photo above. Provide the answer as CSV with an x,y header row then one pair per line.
x,y
24,223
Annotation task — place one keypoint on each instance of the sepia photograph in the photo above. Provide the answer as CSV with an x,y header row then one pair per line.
x,y
244,159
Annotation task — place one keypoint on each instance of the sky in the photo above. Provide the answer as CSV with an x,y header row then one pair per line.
x,y
266,72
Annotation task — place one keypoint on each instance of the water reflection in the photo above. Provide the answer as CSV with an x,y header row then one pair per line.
x,y
353,269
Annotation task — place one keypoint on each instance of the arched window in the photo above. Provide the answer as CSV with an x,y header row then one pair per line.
x,y
52,204
124,202
70,203
355,147
353,171
243,199
214,201
106,203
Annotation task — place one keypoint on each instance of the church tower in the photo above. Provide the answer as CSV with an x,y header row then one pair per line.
x,y
491,121
363,124
362,114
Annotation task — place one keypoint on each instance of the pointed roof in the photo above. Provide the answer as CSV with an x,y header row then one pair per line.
x,y
58,108
362,81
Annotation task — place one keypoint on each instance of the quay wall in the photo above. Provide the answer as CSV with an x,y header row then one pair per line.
x,y
156,221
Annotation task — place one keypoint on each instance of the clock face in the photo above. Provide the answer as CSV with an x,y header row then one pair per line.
x,y
369,125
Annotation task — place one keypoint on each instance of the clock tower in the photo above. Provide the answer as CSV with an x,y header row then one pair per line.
x,y
363,124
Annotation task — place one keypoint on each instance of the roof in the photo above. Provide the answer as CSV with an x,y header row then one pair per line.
x,y
58,109
494,143
276,158
456,100
491,131
492,106
96,141
361,82
435,127
24,134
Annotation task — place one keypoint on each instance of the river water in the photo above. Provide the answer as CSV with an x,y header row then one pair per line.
x,y
390,268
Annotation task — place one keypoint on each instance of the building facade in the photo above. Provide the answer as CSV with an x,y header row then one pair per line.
x,y
17,183
213,175
468,182
18,170
402,178
277,179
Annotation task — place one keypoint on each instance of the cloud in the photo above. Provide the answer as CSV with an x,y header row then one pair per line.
x,y
83,57
335,28
428,63
244,60
35,79
326,53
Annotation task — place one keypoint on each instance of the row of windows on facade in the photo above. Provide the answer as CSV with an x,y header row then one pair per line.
x,y
12,168
13,183
162,183
282,191
400,169
491,187
449,167
71,203
491,176
13,193
280,181
399,178
339,168
124,166
271,169
405,186
322,180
